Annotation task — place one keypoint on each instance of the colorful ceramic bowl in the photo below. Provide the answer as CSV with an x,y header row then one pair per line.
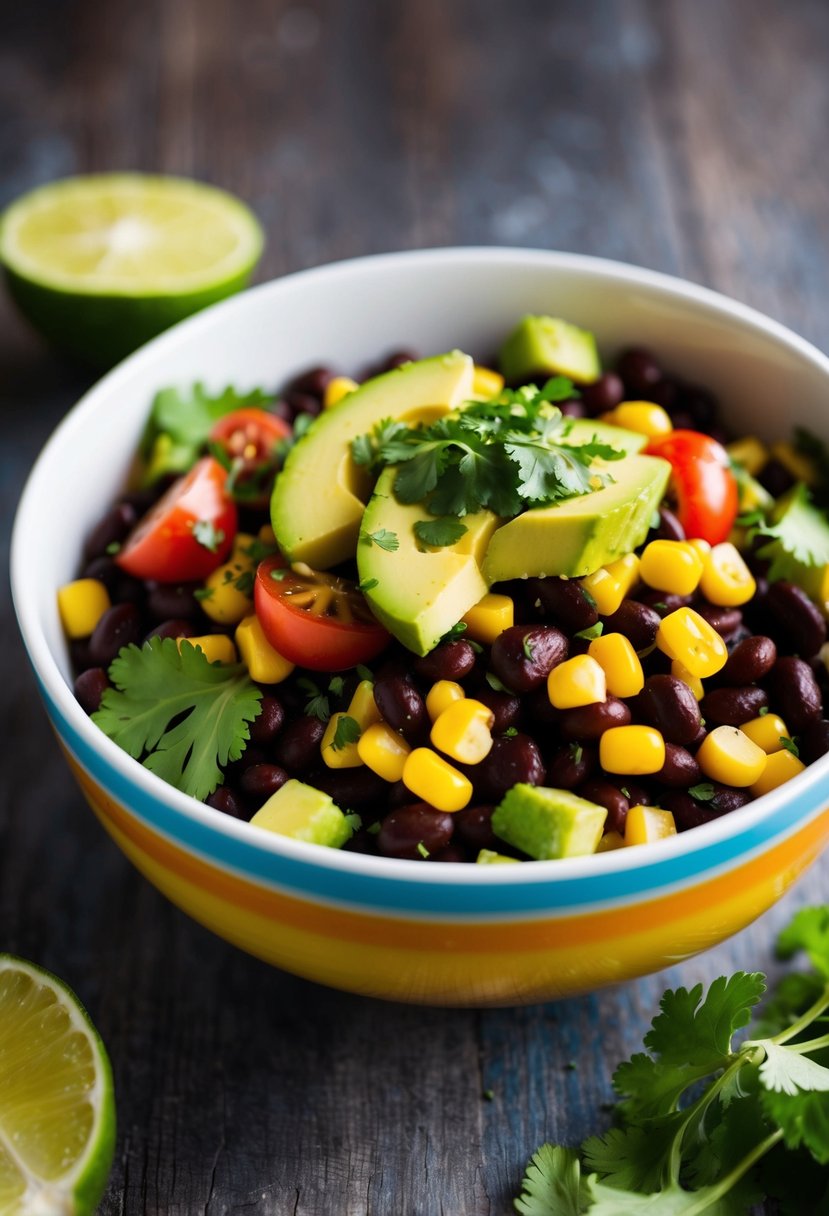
x,y
438,934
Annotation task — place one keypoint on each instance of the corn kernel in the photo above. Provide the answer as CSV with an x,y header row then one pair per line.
x,y
435,781
489,618
726,579
487,857
684,635
578,681
644,417
610,842
767,732
362,707
441,695
486,383
216,647
610,584
383,751
728,755
801,467
750,453
702,547
671,565
680,672
780,767
620,662
265,533
631,751
464,731
344,756
81,605
336,389
264,662
645,824
224,601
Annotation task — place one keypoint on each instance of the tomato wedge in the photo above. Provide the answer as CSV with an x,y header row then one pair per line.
x,y
314,619
705,488
249,438
189,531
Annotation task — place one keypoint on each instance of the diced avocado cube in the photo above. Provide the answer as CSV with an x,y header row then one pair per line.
x,y
488,857
548,824
548,346
303,813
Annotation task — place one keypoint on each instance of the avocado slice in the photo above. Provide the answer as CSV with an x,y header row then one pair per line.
x,y
548,346
319,496
303,813
547,823
578,535
419,591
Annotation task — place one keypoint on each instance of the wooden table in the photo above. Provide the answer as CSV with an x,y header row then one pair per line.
x,y
686,137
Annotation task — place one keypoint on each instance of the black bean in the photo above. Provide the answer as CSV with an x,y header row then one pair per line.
x,y
664,602
666,394
362,841
603,394
402,707
452,852
110,530
269,722
165,600
175,628
802,629
448,661
669,526
814,741
410,830
89,687
687,812
473,827
537,710
262,780
397,358
119,626
565,600
505,707
733,706
227,801
297,747
122,588
511,760
636,621
640,372
668,704
682,419
636,793
314,381
569,766
701,405
794,693
727,798
611,798
573,409
749,661
775,478
355,787
523,656
249,757
726,621
680,768
302,403
591,721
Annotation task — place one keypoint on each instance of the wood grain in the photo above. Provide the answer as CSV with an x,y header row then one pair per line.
x,y
685,137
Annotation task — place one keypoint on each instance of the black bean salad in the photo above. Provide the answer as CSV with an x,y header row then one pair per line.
x,y
453,612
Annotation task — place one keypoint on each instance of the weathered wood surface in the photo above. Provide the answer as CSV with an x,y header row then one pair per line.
x,y
687,137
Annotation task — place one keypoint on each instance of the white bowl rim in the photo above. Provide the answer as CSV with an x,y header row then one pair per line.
x,y
45,666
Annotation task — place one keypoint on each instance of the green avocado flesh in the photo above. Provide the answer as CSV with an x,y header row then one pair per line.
x,y
577,536
303,813
547,346
548,824
420,591
319,497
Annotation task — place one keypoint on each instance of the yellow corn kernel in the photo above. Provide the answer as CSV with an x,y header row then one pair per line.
x,y
435,781
726,579
362,707
464,731
265,533
217,647
801,467
767,732
750,453
645,824
620,662
684,635
680,672
264,662
728,755
671,565
223,601
610,842
489,618
644,417
345,756
488,857
631,751
336,389
610,584
441,695
81,605
780,767
486,383
578,681
702,546
383,751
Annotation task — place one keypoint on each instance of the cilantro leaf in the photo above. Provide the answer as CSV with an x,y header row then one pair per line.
x,y
552,1184
803,1118
692,1030
439,532
671,1201
187,717
790,745
789,1072
180,421
383,539
809,931
347,731
649,1088
591,632
799,538
633,1157
208,535
703,792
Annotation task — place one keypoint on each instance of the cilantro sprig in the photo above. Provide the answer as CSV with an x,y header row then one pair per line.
x,y
704,1123
502,455
180,421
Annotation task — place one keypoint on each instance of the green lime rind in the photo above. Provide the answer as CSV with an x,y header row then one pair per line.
x,y
80,1190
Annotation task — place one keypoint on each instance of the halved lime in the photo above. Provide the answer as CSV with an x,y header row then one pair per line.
x,y
57,1111
101,264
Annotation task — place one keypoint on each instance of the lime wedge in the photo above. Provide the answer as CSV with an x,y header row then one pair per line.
x,y
57,1112
102,264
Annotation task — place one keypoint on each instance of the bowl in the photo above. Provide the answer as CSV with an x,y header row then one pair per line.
x,y
436,934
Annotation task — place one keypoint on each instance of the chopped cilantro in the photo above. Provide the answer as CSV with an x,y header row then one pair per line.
x,y
301,424
203,593
317,704
455,633
528,646
112,548
751,519
763,710
373,829
245,581
279,573
592,631
489,1095
660,606
703,792
180,422
576,752
383,539
368,584
347,731
494,683
422,850
510,732
625,791
336,685
790,745
208,535
365,673
439,532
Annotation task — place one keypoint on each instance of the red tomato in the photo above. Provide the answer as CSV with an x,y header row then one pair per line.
x,y
249,437
189,531
316,620
701,479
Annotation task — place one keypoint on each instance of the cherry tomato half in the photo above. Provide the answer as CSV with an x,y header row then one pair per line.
x,y
314,619
249,438
189,531
701,479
